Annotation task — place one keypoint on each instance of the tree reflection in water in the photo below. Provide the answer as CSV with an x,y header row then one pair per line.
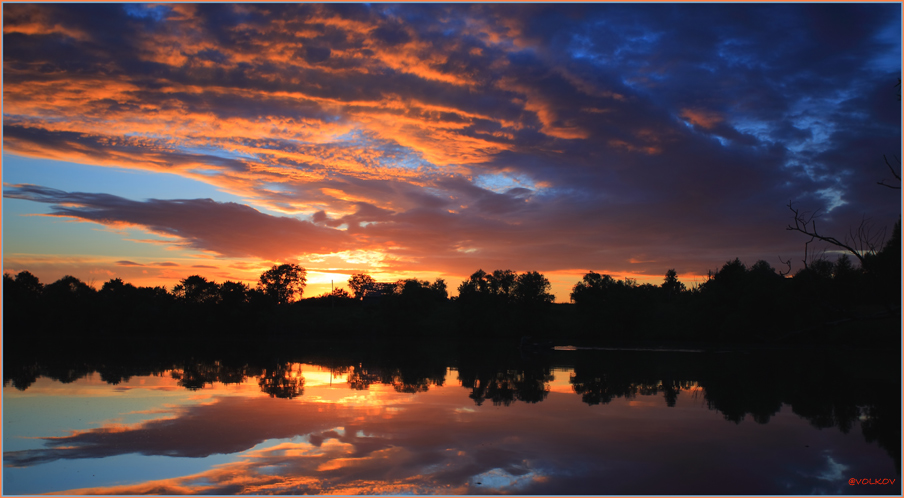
x,y
827,388
285,381
503,387
196,374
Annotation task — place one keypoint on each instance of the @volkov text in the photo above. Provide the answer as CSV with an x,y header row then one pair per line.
x,y
853,481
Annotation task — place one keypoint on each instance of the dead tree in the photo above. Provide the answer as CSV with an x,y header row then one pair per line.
x,y
860,242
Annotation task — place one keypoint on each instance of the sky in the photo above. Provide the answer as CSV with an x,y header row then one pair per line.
x,y
150,142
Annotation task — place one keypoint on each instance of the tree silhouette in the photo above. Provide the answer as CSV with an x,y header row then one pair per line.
x,y
502,282
283,283
531,289
593,290
439,289
420,292
340,294
233,293
493,289
730,278
671,285
119,299
68,288
29,285
115,286
197,290
475,284
361,284
883,271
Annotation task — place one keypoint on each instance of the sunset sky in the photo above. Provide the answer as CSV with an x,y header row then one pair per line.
x,y
151,142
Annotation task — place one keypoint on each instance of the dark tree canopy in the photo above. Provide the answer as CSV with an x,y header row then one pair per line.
x,y
502,282
283,283
671,284
532,289
29,283
361,284
233,293
593,289
475,284
439,288
505,286
197,289
68,287
116,286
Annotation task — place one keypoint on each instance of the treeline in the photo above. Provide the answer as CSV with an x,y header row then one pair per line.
x,y
737,303
200,308
740,303
196,307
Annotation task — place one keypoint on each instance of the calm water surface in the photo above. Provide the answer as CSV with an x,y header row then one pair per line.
x,y
536,428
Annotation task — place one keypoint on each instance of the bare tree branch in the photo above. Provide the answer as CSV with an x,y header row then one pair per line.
x,y
893,172
783,273
807,252
814,255
864,241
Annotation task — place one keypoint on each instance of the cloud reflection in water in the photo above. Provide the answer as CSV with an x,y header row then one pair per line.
x,y
383,440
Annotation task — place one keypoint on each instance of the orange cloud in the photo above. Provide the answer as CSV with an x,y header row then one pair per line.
x,y
32,20
621,144
702,118
306,110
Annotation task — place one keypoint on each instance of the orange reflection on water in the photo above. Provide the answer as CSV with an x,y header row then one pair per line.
x,y
305,429
331,434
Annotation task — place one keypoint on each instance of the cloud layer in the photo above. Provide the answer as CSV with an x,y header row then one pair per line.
x,y
622,138
228,229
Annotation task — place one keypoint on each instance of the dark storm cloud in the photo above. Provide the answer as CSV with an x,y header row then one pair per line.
x,y
672,133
